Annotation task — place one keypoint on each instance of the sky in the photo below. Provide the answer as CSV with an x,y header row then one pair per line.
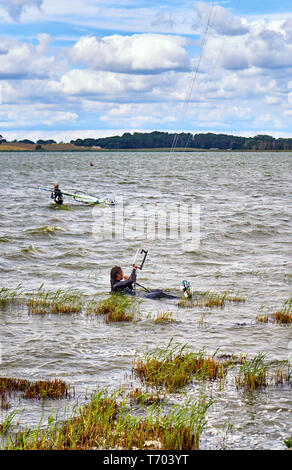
x,y
97,68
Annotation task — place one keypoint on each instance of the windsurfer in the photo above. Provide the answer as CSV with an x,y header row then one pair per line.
x,y
57,195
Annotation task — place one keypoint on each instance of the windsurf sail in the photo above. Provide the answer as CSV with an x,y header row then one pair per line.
x,y
83,197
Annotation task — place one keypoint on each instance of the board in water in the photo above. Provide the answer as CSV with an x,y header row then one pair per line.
x,y
84,198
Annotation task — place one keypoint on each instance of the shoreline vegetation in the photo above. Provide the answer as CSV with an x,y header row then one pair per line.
x,y
143,417
140,414
154,142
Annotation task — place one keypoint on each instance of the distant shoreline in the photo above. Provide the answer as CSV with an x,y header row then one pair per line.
x,y
177,150
155,141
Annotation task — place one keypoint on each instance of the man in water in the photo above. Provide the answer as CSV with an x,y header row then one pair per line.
x,y
57,195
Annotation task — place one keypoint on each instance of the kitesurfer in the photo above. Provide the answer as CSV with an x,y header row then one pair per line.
x,y
126,284
57,195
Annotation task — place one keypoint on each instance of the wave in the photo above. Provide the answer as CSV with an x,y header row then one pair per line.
x,y
46,229
30,250
81,252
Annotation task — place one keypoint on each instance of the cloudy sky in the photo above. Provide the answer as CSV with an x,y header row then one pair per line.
x,y
93,68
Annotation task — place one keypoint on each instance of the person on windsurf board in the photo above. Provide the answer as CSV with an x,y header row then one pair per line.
x,y
57,195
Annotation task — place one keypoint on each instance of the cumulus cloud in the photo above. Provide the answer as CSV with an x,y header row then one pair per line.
x,y
270,49
132,54
91,82
20,60
287,29
263,46
16,7
143,79
221,20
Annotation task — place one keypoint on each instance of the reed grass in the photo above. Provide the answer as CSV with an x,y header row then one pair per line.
x,y
210,299
173,367
253,373
41,389
4,404
257,373
106,424
10,295
7,422
185,302
144,398
164,317
13,384
61,301
233,359
116,308
288,442
281,316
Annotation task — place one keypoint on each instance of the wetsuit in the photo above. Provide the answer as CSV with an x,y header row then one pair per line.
x,y
57,196
127,286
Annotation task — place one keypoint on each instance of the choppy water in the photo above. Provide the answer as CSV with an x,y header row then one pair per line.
x,y
245,207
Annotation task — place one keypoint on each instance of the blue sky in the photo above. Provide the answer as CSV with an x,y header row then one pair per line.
x,y
90,68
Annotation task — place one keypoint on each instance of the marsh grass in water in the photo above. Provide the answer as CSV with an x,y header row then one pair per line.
x,y
275,317
115,308
61,301
282,316
106,423
40,389
210,299
10,295
162,317
174,367
257,373
145,398
6,423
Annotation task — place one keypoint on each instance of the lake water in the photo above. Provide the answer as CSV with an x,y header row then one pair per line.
x,y
240,241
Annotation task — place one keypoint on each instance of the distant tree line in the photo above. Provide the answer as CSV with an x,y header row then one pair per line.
x,y
31,142
39,142
156,139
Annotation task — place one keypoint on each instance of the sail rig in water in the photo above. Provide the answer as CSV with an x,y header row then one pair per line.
x,y
84,197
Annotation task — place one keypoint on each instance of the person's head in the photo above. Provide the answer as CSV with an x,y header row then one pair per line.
x,y
116,275
56,186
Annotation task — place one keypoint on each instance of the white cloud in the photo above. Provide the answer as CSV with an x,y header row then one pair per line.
x,y
133,114
136,53
111,86
16,7
220,19
65,135
33,115
86,82
270,49
262,47
138,80
24,60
